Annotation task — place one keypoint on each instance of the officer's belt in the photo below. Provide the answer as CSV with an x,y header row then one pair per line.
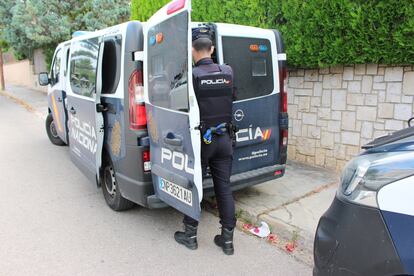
x,y
219,130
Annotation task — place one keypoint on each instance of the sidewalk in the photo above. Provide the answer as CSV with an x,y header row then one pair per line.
x,y
291,205
33,100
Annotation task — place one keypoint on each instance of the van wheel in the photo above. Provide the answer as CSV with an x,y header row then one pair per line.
x,y
110,189
52,132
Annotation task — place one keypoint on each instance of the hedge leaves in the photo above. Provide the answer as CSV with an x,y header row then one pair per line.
x,y
317,33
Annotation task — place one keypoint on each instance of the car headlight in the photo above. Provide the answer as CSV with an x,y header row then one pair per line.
x,y
366,174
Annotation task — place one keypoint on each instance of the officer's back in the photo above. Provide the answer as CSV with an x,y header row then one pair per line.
x,y
213,87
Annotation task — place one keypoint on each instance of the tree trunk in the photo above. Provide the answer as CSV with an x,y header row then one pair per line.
x,y
1,71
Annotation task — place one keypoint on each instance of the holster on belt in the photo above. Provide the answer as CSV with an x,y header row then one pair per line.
x,y
232,129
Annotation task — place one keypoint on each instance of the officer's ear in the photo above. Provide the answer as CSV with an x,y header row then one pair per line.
x,y
211,50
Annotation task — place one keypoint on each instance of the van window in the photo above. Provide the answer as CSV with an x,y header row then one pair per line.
x,y
111,65
83,66
54,74
253,71
167,63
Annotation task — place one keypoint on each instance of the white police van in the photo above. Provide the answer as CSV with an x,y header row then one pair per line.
x,y
122,99
369,228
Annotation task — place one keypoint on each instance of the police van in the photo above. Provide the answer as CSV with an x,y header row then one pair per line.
x,y
122,98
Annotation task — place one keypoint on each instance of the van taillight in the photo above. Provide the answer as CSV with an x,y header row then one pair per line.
x,y
137,112
283,89
284,136
146,160
175,6
283,115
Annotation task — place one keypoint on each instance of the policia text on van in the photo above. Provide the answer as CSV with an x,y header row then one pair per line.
x,y
123,100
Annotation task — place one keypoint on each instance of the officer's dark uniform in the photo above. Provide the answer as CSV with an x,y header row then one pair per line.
x,y
213,86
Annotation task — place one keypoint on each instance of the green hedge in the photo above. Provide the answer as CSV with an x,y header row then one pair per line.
x,y
317,33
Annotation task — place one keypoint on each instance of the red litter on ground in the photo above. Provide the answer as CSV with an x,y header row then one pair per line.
x,y
290,246
247,226
261,231
272,238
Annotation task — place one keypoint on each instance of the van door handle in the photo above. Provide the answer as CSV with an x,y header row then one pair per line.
x,y
101,108
72,110
59,99
173,140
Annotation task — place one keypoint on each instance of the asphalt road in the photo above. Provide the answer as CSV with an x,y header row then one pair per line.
x,y
53,221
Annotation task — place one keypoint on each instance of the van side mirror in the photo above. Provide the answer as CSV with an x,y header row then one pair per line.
x,y
44,78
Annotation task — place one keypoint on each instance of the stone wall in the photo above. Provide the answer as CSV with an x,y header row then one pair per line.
x,y
334,111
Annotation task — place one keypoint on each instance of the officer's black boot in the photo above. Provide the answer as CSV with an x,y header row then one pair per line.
x,y
188,237
225,241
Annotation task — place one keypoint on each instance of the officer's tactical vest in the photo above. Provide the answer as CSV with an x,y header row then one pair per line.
x,y
213,86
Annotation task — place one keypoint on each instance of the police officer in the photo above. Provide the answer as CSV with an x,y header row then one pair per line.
x,y
213,86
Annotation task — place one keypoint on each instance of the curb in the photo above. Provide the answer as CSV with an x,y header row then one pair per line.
x,y
285,233
23,103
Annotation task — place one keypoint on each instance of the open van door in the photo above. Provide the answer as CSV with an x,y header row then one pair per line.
x,y
57,94
172,110
85,111
99,108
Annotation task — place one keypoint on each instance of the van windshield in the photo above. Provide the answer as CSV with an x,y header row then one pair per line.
x,y
251,60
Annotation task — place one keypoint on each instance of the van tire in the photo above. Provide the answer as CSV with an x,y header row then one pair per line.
x,y
51,131
110,189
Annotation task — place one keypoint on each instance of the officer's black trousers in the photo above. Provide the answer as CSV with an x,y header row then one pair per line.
x,y
219,156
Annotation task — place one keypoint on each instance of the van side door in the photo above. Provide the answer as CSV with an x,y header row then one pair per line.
x,y
172,110
84,124
57,94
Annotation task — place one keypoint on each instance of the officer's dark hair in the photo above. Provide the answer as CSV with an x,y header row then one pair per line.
x,y
202,44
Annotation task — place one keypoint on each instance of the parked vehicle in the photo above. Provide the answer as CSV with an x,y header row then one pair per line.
x,y
368,230
121,99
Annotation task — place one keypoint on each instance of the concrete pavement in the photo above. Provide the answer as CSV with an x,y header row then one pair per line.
x,y
55,222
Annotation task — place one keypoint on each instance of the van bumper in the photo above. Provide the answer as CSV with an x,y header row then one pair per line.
x,y
142,193
139,192
354,240
247,179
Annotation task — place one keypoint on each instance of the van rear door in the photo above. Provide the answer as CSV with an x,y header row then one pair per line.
x,y
258,108
172,110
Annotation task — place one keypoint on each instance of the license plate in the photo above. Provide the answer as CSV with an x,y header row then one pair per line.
x,y
182,194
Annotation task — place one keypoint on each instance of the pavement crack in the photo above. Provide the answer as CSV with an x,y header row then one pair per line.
x,y
289,213
315,191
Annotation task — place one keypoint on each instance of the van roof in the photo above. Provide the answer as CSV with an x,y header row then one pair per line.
x,y
90,34
117,28
227,26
